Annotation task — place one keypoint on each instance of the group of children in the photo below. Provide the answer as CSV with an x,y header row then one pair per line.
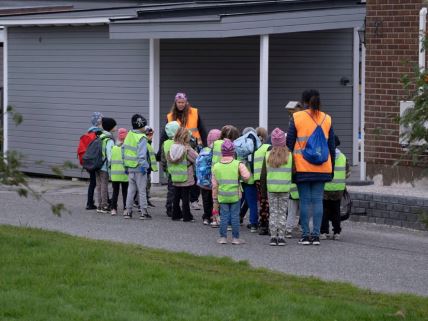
x,y
230,183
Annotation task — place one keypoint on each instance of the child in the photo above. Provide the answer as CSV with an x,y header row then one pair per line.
x,y
118,175
204,175
333,193
170,129
102,176
151,156
227,191
227,132
250,190
134,150
293,211
294,202
277,177
96,120
259,157
181,159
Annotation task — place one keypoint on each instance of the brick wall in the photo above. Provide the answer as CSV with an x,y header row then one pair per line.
x,y
392,29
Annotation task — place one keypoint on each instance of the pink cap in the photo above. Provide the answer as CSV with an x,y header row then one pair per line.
x,y
121,134
213,135
278,138
180,96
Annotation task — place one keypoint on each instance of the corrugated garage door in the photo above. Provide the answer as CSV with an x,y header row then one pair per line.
x,y
220,76
316,60
58,76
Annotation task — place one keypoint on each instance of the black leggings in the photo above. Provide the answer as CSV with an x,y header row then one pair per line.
x,y
116,187
181,193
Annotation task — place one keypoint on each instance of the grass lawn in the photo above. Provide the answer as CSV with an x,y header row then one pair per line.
x,y
52,276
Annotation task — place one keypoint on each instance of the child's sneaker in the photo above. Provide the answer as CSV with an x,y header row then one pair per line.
x,y
336,236
104,210
214,224
264,230
195,206
324,236
273,241
206,221
288,234
237,241
145,215
127,214
222,240
281,242
113,212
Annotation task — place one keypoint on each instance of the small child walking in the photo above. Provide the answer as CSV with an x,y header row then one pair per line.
x,y
277,173
118,175
170,129
134,150
102,175
204,175
227,192
333,193
181,159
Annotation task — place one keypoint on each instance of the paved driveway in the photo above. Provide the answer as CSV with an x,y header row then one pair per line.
x,y
369,256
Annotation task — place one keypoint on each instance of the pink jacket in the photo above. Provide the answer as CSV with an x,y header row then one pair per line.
x,y
243,172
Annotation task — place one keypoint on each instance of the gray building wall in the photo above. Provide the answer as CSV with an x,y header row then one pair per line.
x,y
58,76
313,60
220,76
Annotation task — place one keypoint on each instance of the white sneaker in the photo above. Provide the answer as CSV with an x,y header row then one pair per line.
x,y
237,241
229,227
336,237
214,224
113,212
195,206
222,240
324,236
206,222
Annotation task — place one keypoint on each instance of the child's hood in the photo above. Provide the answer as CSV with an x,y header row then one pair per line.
x,y
176,152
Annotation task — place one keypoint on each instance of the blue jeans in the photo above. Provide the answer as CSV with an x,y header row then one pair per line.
x,y
311,195
250,195
229,213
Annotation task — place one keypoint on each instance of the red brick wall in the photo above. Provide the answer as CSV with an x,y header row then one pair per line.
x,y
393,42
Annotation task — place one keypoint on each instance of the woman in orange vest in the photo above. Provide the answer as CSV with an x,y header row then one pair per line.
x,y
188,117
310,178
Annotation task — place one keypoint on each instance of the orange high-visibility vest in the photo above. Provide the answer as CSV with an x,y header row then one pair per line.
x,y
305,126
192,122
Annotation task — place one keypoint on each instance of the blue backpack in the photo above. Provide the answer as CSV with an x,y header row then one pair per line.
x,y
316,150
246,145
203,168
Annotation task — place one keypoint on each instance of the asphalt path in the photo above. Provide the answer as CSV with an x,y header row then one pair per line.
x,y
375,257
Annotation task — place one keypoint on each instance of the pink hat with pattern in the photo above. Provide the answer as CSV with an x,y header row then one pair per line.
x,y
278,138
213,135
180,96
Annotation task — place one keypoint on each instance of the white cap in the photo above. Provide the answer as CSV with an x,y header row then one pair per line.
x,y
293,104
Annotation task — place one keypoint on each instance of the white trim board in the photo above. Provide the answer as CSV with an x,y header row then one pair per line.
x,y
154,92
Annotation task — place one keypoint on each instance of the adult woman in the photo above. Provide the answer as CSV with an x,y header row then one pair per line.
x,y
310,178
188,117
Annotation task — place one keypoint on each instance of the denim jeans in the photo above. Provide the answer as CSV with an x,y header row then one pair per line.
x,y
250,195
229,213
311,196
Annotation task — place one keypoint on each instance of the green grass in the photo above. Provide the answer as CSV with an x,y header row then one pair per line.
x,y
52,276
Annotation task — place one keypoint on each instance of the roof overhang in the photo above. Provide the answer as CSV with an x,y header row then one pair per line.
x,y
237,25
